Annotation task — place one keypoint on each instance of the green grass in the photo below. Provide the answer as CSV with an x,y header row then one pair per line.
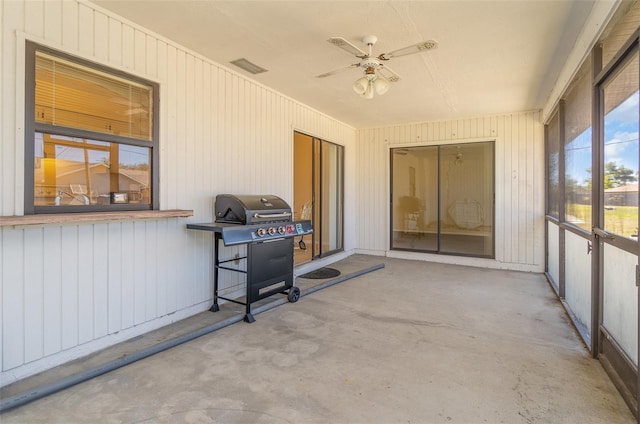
x,y
622,220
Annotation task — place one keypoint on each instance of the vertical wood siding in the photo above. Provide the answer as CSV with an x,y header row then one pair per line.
x,y
68,290
519,181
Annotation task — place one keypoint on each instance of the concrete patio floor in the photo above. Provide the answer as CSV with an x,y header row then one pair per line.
x,y
413,342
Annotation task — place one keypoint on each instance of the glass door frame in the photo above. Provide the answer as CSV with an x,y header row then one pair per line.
x,y
317,200
438,146
604,347
318,189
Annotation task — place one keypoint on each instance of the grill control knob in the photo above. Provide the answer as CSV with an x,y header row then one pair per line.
x,y
261,232
272,231
281,230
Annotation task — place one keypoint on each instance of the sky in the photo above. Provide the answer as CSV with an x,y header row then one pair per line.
x,y
621,133
621,141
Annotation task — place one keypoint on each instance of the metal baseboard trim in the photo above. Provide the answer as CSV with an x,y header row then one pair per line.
x,y
624,391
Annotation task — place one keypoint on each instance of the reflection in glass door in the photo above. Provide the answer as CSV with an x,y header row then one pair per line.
x,y
414,184
466,199
303,177
442,199
331,197
318,195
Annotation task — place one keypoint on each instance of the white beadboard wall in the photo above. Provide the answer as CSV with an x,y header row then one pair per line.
x,y
519,184
68,290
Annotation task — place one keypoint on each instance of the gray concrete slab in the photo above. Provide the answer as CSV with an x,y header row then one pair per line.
x,y
413,342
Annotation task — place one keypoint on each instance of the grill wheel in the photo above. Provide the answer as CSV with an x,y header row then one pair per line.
x,y
294,294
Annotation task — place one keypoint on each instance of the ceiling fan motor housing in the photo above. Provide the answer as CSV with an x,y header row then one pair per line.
x,y
370,63
370,40
370,73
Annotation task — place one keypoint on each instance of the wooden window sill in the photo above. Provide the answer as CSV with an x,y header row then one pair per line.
x,y
67,218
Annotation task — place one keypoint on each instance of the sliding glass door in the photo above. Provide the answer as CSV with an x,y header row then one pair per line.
x,y
318,195
442,199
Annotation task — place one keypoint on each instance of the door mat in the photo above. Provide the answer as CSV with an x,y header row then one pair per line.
x,y
321,273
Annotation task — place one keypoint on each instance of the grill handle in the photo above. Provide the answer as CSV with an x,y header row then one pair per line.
x,y
273,215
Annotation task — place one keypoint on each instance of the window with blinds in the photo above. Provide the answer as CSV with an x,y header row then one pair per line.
x,y
91,136
71,95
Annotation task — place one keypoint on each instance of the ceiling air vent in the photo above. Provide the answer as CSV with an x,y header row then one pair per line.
x,y
248,66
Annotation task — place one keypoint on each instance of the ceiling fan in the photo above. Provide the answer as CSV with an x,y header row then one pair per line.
x,y
377,75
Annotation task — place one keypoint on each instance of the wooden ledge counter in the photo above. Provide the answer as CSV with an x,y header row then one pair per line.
x,y
81,217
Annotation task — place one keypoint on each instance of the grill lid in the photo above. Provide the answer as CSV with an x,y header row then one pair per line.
x,y
251,209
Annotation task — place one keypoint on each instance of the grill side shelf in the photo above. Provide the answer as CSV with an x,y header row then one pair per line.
x,y
235,234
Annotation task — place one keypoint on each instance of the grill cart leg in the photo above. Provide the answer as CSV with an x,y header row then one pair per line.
x,y
216,264
248,317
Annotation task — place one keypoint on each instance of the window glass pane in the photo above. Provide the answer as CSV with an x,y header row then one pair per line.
x,y
75,171
620,173
318,221
553,171
466,199
331,197
414,182
303,192
71,95
577,150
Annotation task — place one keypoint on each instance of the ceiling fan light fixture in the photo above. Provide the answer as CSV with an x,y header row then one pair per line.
x,y
374,83
361,85
368,94
381,86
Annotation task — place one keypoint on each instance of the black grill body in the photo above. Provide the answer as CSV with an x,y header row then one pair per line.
x,y
263,223
251,209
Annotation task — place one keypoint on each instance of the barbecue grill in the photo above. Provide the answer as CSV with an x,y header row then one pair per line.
x,y
263,223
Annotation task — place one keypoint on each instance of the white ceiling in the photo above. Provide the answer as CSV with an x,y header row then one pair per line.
x,y
492,56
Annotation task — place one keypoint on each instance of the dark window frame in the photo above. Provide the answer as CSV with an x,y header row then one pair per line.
x,y
32,127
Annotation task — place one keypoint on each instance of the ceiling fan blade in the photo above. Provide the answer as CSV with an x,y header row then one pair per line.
x,y
337,71
385,72
347,46
423,46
